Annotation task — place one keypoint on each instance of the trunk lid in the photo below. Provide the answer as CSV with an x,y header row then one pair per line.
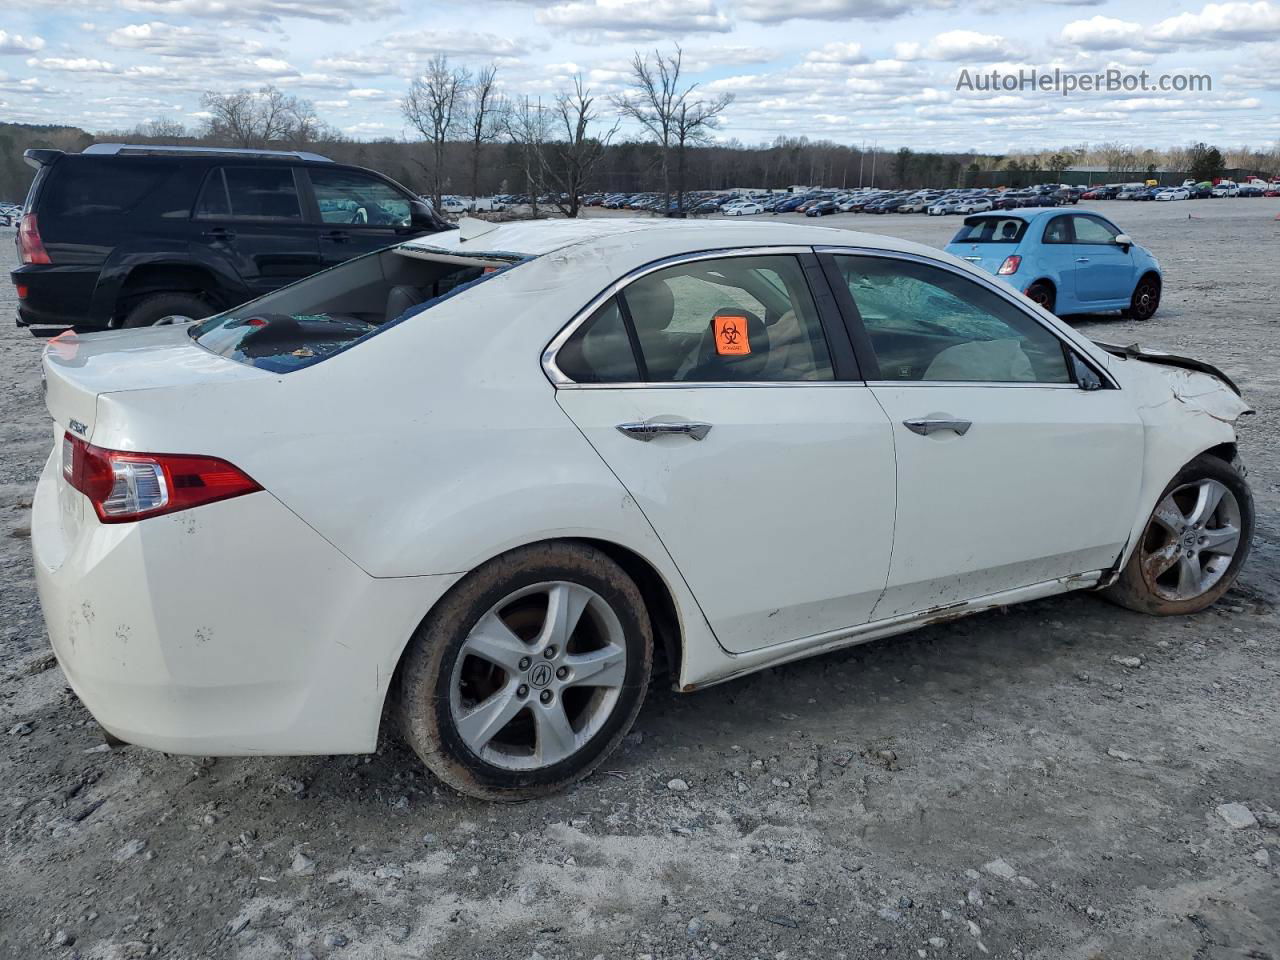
x,y
79,368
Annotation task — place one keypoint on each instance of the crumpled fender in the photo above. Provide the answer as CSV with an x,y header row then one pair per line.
x,y
1134,352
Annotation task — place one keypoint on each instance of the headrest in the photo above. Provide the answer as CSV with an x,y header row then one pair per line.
x,y
651,303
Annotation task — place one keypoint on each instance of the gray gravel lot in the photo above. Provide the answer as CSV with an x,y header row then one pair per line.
x,y
998,786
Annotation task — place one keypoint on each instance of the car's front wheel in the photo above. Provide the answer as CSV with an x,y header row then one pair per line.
x,y
528,673
1194,544
1146,298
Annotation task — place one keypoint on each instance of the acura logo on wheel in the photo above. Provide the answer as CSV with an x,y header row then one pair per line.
x,y
541,675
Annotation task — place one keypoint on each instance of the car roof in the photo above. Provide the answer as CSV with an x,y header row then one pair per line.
x,y
655,237
1032,213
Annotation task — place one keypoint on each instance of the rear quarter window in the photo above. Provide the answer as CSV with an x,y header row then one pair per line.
x,y
99,186
991,230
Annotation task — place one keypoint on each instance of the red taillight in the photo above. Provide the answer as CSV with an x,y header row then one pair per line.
x,y
22,290
30,246
1010,265
125,486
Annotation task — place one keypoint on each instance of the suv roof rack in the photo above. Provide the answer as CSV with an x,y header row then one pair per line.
x,y
145,149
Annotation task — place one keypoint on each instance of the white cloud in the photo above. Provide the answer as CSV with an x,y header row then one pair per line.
x,y
957,45
16,43
1103,33
1220,24
72,64
841,53
636,18
266,11
165,39
454,42
773,11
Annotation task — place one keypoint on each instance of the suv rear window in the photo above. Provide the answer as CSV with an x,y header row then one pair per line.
x,y
991,230
95,187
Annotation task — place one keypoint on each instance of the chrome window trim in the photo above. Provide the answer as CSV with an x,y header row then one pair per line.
x,y
561,381
990,283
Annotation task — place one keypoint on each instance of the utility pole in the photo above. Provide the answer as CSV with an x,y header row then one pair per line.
x,y
873,165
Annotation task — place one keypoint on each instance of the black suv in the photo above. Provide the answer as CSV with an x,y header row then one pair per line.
x,y
123,236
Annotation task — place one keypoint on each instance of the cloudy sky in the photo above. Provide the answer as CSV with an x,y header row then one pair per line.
x,y
848,70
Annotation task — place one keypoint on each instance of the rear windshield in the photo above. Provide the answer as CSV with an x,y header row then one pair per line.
x,y
991,230
332,311
99,186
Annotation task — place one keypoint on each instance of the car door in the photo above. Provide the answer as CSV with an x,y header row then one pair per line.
x,y
1103,268
252,216
358,213
1010,472
729,407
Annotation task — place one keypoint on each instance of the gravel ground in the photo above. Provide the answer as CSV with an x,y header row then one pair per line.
x,y
998,786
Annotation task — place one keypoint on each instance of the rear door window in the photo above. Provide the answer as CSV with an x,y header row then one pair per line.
x,y
257,193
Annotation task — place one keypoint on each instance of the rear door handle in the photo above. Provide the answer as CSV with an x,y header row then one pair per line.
x,y
924,427
219,233
1082,259
646,430
337,236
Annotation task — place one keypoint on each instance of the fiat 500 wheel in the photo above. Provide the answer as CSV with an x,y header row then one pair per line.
x,y
1194,545
528,673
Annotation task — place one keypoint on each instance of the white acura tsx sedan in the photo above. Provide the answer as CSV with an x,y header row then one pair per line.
x,y
479,477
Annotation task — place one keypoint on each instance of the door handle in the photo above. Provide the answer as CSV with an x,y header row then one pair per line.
x,y
646,430
924,427
1082,259
337,236
219,233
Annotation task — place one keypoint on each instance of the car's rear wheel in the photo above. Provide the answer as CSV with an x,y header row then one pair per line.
x,y
160,306
528,673
1146,298
1193,546
1042,293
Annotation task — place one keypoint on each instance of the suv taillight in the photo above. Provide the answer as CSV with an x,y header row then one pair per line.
x,y
30,246
125,486
1010,265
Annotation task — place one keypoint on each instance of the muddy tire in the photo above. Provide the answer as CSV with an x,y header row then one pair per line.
x,y
150,309
1043,294
528,673
1194,544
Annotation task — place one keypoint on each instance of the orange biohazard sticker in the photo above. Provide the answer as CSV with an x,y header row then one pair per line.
x,y
731,336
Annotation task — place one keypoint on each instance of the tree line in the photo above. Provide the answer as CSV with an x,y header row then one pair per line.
x,y
466,136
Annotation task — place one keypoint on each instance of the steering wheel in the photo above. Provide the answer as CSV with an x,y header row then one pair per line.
x,y
360,216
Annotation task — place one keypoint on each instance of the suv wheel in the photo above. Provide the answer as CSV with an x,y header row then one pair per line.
x,y
149,310
528,674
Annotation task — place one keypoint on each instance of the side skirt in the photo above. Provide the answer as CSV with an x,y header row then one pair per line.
x,y
739,665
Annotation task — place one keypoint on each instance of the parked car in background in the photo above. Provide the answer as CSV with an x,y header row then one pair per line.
x,y
1173,193
1226,188
823,208
943,207
124,236
974,205
1077,262
508,620
743,208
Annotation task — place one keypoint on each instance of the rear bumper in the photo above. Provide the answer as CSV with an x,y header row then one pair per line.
x,y
230,629
58,295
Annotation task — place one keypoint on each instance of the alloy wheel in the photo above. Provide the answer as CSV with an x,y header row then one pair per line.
x,y
1146,299
1191,540
538,676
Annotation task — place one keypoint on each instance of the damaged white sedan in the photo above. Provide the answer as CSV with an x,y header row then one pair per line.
x,y
478,478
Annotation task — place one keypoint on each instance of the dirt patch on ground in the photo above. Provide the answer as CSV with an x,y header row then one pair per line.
x,y
999,786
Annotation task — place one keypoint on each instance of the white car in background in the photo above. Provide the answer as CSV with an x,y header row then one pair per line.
x,y
482,477
1174,193
1226,188
742,208
974,205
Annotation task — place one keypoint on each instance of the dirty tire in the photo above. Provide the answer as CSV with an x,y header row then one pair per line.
x,y
1043,294
430,665
1134,588
1146,298
150,309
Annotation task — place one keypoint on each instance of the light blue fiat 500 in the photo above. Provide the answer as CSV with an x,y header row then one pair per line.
x,y
1068,262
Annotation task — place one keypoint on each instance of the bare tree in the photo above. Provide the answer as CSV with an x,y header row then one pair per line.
x,y
433,106
248,118
485,110
570,163
163,128
672,116
527,126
